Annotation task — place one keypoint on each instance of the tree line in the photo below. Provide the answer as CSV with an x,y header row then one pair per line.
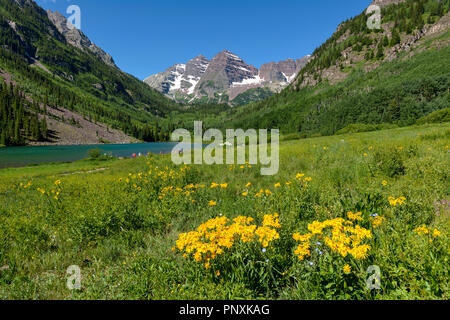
x,y
18,124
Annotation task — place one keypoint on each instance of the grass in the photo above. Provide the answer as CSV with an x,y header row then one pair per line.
x,y
118,220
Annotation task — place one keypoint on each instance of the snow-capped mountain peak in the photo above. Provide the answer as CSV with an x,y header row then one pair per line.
x,y
223,78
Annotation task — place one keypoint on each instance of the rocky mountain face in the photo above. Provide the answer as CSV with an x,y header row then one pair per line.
x,y
223,78
283,71
180,78
77,38
225,71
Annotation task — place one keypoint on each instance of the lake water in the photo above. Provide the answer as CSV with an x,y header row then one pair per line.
x,y
23,156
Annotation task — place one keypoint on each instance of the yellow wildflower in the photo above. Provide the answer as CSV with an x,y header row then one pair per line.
x,y
302,238
212,203
347,269
360,252
299,176
397,202
354,216
272,221
316,227
303,250
377,221
436,233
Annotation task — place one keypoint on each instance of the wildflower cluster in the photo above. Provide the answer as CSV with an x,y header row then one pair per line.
x,y
263,192
424,230
212,238
166,175
302,177
233,167
186,191
376,220
25,186
397,202
354,216
54,192
212,203
340,235
219,185
347,269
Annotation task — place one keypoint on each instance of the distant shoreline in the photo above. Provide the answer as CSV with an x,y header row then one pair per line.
x,y
20,156
46,144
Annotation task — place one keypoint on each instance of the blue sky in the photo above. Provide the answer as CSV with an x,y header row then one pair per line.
x,y
147,36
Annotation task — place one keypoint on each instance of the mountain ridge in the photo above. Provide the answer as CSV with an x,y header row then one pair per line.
x,y
223,78
77,38
70,84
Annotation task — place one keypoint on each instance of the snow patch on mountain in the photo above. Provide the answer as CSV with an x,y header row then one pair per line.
x,y
178,77
249,81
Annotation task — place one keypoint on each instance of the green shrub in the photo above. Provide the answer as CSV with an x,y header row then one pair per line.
x,y
361,127
439,116
94,153
390,162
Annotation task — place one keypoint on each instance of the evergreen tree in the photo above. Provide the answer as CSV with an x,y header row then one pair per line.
x,y
420,8
420,23
17,135
3,141
409,28
380,52
395,38
34,127
440,9
43,130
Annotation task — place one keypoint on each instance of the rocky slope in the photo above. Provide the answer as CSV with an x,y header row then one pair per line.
x,y
66,127
352,45
223,78
77,38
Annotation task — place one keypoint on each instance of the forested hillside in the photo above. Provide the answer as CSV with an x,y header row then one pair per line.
x,y
56,74
361,77
18,122
355,43
398,93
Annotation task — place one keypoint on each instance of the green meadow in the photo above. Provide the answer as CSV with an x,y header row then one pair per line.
x,y
120,220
